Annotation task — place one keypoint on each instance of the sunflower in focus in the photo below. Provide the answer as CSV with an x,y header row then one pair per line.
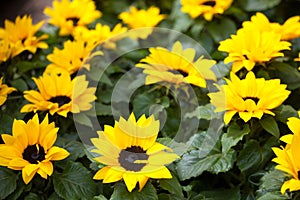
x,y
176,66
4,91
73,56
102,34
250,97
59,94
251,46
69,15
21,35
290,29
207,8
30,148
5,50
288,157
130,152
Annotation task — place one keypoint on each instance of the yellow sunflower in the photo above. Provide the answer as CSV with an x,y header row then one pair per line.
x,y
21,35
68,15
250,46
130,152
101,33
207,8
288,157
135,18
250,97
73,56
30,148
176,66
4,91
59,94
5,50
289,30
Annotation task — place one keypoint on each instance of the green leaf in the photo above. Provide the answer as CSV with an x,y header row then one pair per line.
x,y
191,166
221,29
258,5
32,196
121,192
172,185
232,194
75,182
283,112
270,125
202,112
24,66
83,119
250,155
142,103
233,136
19,84
270,185
286,73
8,182
273,195
224,162
102,109
100,197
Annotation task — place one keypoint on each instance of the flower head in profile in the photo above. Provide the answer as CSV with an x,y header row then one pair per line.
x,y
4,91
59,94
176,66
290,29
21,35
30,148
288,157
130,152
251,46
249,97
135,18
206,8
73,56
5,50
101,33
68,15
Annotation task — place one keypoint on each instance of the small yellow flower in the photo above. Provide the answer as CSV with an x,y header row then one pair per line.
x,y
21,35
176,66
72,57
59,94
5,50
68,15
250,97
135,18
289,30
101,34
288,158
251,46
130,152
30,148
207,8
4,91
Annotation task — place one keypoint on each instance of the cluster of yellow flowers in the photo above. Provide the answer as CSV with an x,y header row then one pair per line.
x,y
129,149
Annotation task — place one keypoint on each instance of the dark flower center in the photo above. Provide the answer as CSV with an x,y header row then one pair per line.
x,y
209,3
179,71
131,154
34,153
255,99
61,100
74,20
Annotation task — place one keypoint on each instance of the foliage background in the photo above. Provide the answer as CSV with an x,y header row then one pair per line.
x,y
239,165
